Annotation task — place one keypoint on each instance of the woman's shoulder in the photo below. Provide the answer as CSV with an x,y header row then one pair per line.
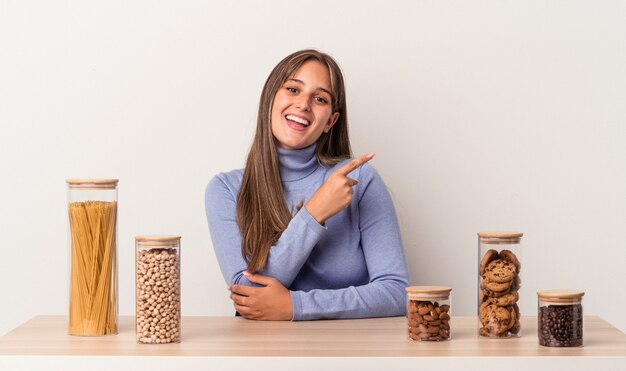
x,y
226,181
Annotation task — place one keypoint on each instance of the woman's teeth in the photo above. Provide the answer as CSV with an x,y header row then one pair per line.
x,y
297,119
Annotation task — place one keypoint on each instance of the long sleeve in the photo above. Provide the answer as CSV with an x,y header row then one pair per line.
x,y
352,267
381,243
286,257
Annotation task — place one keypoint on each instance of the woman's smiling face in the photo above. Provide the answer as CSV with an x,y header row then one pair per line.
x,y
302,108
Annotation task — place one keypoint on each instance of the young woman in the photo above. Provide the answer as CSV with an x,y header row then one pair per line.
x,y
304,232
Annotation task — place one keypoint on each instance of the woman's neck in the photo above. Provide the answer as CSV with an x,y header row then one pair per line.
x,y
297,164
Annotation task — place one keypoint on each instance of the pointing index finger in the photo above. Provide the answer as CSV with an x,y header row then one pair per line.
x,y
354,164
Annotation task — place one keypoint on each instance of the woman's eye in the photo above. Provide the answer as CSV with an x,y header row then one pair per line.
x,y
292,90
320,100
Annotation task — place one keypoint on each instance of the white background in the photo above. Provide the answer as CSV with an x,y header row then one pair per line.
x,y
485,115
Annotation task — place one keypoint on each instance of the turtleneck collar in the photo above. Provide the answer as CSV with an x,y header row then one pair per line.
x,y
297,164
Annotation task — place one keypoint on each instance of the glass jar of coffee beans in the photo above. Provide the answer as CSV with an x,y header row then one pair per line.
x,y
157,275
499,281
560,318
428,313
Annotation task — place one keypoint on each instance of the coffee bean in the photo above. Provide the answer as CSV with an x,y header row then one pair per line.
x,y
561,325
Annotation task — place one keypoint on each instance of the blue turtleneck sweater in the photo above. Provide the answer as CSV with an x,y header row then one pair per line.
x,y
353,266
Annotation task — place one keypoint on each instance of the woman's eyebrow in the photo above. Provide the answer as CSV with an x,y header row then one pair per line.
x,y
319,88
298,81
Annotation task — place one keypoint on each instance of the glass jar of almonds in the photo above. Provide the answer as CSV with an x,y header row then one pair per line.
x,y
428,313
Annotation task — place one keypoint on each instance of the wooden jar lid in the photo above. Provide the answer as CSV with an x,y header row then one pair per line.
x,y
500,234
561,294
560,297
157,241
499,238
430,292
92,183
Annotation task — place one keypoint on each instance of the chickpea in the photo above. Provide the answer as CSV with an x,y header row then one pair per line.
x,y
158,298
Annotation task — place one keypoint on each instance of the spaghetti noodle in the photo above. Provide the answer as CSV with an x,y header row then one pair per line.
x,y
93,278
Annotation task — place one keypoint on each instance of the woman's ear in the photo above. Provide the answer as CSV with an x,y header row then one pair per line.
x,y
331,121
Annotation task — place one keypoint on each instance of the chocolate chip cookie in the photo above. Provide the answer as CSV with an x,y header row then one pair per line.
x,y
494,286
495,319
500,270
511,258
499,285
505,300
487,258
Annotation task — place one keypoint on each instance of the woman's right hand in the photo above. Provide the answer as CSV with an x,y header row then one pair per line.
x,y
335,194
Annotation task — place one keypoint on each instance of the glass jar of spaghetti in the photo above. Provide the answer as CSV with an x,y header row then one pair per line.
x,y
499,267
428,313
157,281
92,211
560,318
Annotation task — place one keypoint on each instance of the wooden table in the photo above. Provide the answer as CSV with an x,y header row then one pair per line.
x,y
235,343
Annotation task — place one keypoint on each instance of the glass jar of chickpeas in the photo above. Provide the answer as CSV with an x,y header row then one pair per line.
x,y
428,313
157,266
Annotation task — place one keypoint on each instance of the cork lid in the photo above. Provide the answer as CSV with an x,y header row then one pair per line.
x,y
497,238
561,294
92,183
563,297
428,291
157,241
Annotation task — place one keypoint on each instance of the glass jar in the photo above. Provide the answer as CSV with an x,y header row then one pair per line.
x,y
92,212
157,282
428,313
499,257
560,318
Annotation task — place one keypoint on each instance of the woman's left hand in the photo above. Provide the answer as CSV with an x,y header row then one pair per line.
x,y
269,303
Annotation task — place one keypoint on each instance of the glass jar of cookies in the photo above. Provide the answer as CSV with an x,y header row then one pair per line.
x,y
428,313
560,318
92,213
499,257
157,275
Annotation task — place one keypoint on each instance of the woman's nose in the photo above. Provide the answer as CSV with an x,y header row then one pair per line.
x,y
303,104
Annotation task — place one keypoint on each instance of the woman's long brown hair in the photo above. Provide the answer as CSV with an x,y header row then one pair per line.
x,y
262,211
